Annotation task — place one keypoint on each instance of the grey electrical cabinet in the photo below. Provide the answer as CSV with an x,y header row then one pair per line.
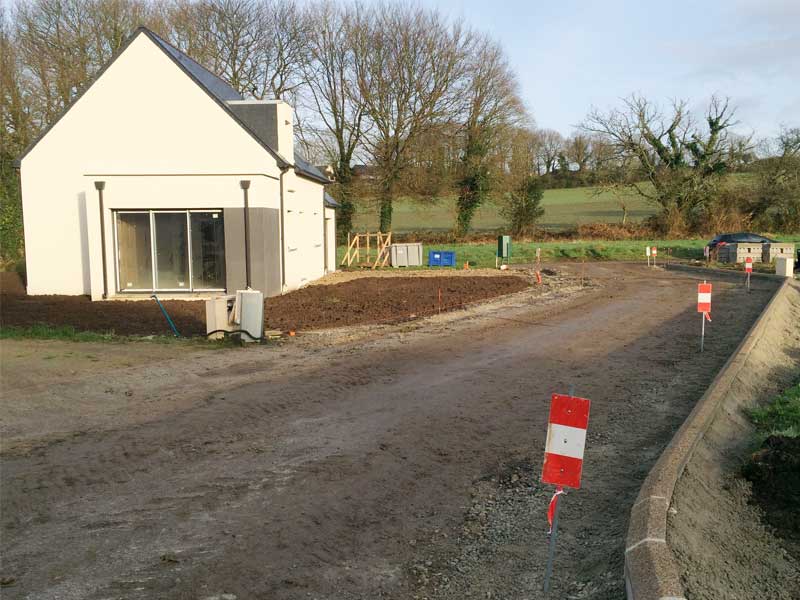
x,y
406,255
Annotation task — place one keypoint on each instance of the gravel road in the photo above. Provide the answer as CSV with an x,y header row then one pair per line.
x,y
404,465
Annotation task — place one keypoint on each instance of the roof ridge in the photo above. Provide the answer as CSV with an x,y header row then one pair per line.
x,y
180,55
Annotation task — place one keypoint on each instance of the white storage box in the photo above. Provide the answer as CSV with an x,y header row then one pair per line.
x,y
784,266
406,255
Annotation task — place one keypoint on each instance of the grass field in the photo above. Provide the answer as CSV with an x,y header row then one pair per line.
x,y
563,208
483,254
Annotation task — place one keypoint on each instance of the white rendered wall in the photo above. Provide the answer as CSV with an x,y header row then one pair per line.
x,y
303,229
143,117
330,224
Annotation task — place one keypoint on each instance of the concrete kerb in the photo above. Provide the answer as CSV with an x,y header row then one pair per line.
x,y
651,571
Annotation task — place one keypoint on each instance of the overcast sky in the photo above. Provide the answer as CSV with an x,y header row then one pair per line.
x,y
573,54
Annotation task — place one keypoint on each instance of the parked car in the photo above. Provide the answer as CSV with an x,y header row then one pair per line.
x,y
738,238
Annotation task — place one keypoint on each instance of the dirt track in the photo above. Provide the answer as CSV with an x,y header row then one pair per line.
x,y
397,468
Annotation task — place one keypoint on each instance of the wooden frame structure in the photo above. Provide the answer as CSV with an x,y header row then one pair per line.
x,y
364,253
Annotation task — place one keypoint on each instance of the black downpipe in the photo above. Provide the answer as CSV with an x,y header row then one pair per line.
x,y
245,184
100,186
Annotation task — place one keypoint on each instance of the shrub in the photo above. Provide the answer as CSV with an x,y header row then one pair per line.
x,y
524,207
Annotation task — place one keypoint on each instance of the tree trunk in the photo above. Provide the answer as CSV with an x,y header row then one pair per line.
x,y
386,211
347,209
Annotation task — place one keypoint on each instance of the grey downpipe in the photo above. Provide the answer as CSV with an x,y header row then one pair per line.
x,y
245,185
100,186
282,233
324,235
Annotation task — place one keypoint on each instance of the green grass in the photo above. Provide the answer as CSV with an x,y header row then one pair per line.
x,y
483,254
781,416
70,334
563,208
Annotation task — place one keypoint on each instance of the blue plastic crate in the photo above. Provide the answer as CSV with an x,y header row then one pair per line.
x,y
441,258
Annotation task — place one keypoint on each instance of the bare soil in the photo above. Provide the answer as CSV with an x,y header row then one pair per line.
x,y
774,472
401,464
358,301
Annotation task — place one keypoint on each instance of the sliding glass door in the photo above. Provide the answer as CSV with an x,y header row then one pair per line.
x,y
135,251
170,250
208,249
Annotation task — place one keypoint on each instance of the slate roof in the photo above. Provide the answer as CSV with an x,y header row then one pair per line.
x,y
306,168
217,86
329,201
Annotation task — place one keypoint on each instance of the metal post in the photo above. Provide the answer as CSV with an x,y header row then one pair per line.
x,y
551,552
100,186
245,185
748,281
702,330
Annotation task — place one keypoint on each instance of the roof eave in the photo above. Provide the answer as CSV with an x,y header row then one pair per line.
x,y
306,175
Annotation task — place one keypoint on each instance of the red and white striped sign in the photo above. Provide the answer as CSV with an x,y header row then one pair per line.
x,y
655,251
748,264
704,298
566,438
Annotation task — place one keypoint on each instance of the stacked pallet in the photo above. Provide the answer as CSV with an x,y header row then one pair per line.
x,y
773,250
738,253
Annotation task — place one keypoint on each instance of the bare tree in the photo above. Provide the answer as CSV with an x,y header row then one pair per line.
x,y
492,107
407,61
258,46
63,43
333,89
678,159
551,144
578,150
15,132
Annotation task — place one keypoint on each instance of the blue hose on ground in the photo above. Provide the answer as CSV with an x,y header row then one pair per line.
x,y
166,316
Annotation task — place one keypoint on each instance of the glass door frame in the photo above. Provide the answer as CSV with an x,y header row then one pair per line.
x,y
153,251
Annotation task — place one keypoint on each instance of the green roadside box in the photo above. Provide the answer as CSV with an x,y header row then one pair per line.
x,y
504,246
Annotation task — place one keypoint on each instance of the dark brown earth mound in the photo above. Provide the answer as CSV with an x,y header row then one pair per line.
x,y
775,474
380,300
368,300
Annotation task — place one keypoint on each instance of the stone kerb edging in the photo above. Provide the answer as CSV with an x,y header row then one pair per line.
x,y
651,572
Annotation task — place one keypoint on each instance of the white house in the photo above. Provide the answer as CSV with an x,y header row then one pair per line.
x,y
141,185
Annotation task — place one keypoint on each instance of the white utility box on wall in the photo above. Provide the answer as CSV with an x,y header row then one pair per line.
x,y
218,316
249,314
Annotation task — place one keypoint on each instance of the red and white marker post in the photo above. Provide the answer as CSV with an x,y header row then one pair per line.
x,y
655,253
748,268
704,307
563,458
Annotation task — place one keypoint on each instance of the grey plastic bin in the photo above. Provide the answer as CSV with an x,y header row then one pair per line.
x,y
406,255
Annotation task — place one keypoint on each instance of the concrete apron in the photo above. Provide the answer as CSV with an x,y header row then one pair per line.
x,y
651,571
